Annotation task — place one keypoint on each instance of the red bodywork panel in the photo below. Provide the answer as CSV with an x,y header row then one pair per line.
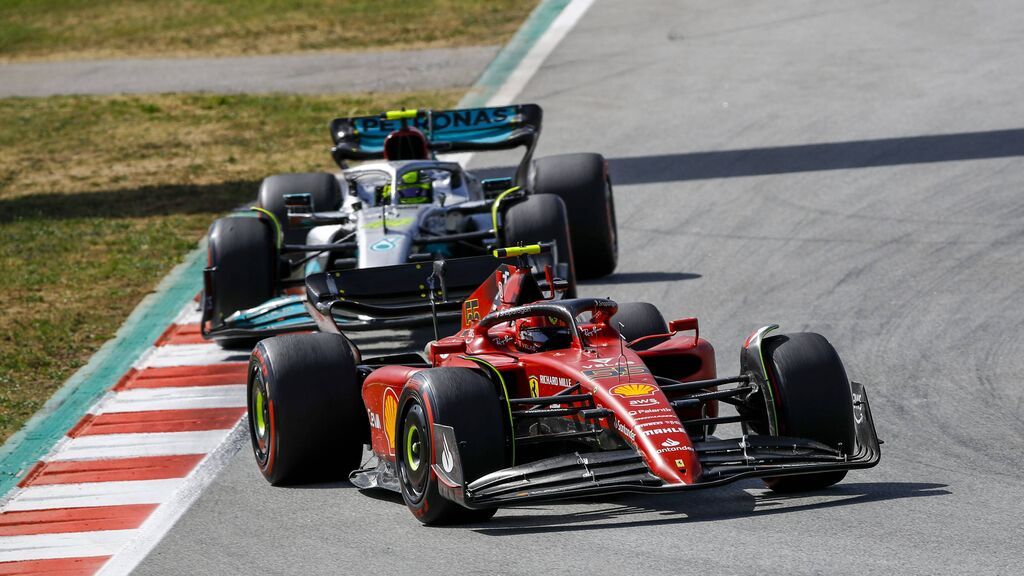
x,y
619,378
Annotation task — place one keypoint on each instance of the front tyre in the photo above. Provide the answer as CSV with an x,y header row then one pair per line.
x,y
813,400
306,416
468,402
243,253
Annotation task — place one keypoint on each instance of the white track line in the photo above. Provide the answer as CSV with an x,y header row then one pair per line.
x,y
190,355
66,545
111,446
191,314
147,399
528,66
50,496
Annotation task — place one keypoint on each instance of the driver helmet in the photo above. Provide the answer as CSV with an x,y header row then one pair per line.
x,y
541,334
414,187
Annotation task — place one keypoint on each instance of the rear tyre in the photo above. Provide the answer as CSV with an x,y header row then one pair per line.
x,y
306,415
321,186
581,180
468,402
813,400
542,218
640,319
243,252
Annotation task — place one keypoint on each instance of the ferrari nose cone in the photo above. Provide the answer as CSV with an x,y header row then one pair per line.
x,y
646,419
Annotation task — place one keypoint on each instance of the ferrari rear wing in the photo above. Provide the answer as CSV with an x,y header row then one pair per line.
x,y
722,460
465,130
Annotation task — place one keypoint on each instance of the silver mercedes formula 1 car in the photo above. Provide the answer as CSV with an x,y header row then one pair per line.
x,y
402,205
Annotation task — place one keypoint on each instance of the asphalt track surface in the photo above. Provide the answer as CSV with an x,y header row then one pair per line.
x,y
849,168
323,72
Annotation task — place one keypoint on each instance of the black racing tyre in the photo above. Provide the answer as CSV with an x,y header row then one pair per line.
x,y
306,417
813,400
467,401
542,218
582,181
640,319
323,187
244,255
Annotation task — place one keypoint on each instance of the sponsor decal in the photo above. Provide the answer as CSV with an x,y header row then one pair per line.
x,y
606,362
675,449
629,390
626,431
393,223
658,417
644,402
471,310
386,243
534,387
660,431
592,330
858,408
447,461
651,411
478,117
615,371
669,443
389,409
502,341
556,381
663,423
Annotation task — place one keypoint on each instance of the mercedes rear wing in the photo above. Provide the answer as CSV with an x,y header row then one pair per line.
x,y
465,130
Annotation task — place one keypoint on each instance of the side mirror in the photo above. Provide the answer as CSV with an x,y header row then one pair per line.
x,y
685,324
299,208
494,186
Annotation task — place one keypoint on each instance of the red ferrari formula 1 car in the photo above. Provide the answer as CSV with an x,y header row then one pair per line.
x,y
538,398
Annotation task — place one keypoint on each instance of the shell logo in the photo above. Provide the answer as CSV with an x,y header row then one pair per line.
x,y
390,413
630,390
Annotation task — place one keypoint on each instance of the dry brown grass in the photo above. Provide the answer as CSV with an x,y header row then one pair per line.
x,y
48,29
101,196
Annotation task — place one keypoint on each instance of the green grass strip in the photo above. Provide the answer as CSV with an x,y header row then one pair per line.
x,y
144,325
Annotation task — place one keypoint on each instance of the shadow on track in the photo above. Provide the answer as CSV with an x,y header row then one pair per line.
x,y
641,278
808,157
712,505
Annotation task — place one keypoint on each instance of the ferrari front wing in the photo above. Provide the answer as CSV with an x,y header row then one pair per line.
x,y
723,461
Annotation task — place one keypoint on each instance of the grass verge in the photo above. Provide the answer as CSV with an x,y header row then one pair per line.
x,y
53,29
101,196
